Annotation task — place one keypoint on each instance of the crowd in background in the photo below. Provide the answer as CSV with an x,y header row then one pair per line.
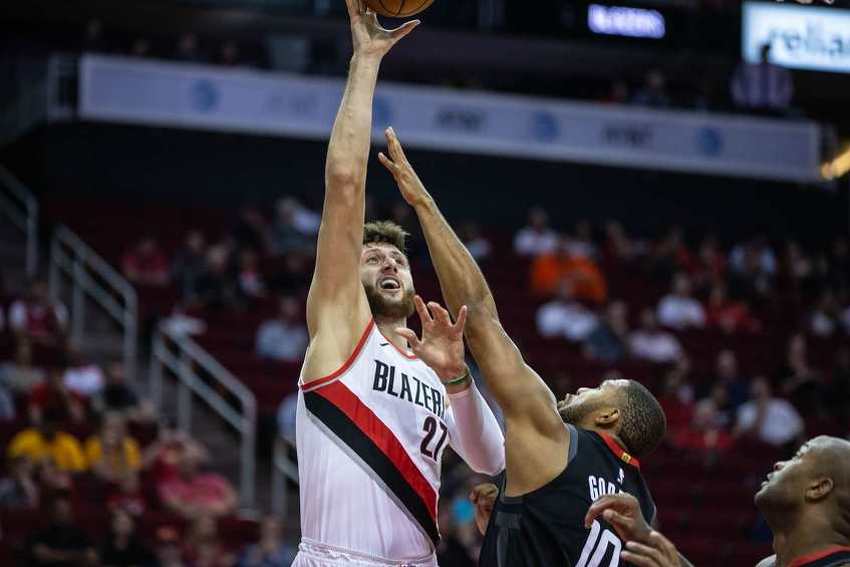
x,y
712,288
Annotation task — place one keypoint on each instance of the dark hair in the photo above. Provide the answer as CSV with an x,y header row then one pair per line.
x,y
386,232
643,421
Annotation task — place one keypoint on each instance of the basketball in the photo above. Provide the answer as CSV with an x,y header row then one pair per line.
x,y
398,8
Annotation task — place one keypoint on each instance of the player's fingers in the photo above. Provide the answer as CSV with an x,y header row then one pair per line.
x,y
646,550
639,560
440,314
597,508
460,323
404,29
354,7
424,315
665,545
615,518
396,149
387,162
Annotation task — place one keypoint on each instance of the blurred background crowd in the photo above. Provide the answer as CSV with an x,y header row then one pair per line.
x,y
727,294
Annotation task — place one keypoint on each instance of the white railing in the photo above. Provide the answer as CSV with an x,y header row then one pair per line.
x,y
197,373
91,276
284,469
21,208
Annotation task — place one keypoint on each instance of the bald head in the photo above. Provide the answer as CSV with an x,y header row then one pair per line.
x,y
814,484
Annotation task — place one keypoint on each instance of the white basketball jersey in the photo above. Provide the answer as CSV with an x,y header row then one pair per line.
x,y
370,440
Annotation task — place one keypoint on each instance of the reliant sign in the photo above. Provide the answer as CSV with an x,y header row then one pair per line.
x,y
801,37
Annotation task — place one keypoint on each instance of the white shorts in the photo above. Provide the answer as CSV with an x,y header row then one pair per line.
x,y
315,554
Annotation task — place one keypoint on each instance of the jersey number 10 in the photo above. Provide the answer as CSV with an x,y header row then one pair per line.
x,y
597,546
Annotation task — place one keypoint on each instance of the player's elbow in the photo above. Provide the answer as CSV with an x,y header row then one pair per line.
x,y
342,178
491,468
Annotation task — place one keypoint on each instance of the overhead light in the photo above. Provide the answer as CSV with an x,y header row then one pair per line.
x,y
838,166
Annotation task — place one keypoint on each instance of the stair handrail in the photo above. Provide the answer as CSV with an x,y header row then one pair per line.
x,y
183,361
90,275
21,207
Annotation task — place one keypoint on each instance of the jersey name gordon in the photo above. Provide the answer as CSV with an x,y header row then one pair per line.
x,y
600,487
408,388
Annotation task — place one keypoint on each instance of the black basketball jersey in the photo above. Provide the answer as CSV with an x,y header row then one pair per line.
x,y
545,528
834,556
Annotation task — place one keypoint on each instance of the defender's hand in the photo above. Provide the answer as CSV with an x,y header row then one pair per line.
x,y
622,511
658,551
408,182
441,346
483,497
369,38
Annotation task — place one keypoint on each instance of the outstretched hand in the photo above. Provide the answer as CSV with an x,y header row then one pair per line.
x,y
369,38
441,345
408,182
622,511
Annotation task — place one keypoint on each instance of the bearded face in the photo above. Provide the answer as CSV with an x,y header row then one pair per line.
x,y
385,273
577,409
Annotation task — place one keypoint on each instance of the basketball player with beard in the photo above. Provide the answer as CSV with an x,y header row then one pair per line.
x,y
555,470
805,501
377,405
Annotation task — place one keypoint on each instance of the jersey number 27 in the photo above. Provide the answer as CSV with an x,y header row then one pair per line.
x,y
430,429
596,547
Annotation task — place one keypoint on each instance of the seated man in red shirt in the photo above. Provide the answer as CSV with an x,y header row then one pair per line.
x,y
146,264
37,319
194,494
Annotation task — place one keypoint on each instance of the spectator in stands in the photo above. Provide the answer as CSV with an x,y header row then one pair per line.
x,y
218,288
47,442
283,338
825,318
52,394
123,545
229,54
452,551
62,542
754,266
797,265
37,319
768,419
536,238
475,242
162,457
608,341
677,398
728,375
580,244
128,497
710,426
653,92
565,317
709,268
168,552
271,550
145,264
188,48
728,315
619,247
799,382
551,271
678,310
294,229
251,230
203,546
116,396
762,86
82,376
670,255
19,375
189,265
651,343
294,275
194,494
7,403
19,490
113,455
249,276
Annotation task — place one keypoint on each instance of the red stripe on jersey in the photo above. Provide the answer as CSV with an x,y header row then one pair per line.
x,y
319,382
812,557
621,453
383,437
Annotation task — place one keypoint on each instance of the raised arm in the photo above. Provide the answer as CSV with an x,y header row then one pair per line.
x,y
337,309
529,406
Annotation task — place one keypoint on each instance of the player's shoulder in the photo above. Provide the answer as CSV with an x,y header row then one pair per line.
x,y
767,562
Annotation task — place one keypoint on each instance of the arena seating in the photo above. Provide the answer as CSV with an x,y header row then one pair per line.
x,y
706,508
